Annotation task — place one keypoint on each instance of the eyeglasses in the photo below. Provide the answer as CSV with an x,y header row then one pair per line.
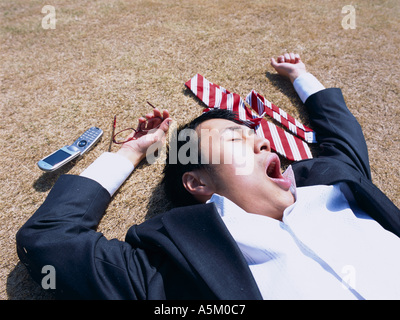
x,y
143,128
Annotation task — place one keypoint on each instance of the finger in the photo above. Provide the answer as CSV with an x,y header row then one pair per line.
x,y
149,115
158,134
297,58
281,59
142,123
274,63
150,119
292,57
165,114
287,57
157,113
153,123
158,118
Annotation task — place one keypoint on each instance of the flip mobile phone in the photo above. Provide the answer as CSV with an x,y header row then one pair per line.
x,y
65,154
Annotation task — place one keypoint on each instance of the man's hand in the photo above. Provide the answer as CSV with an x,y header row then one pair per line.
x,y
153,128
289,65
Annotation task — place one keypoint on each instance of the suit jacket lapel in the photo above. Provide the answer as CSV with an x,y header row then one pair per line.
x,y
323,171
203,239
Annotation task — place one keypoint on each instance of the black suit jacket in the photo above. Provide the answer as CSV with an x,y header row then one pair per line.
x,y
185,253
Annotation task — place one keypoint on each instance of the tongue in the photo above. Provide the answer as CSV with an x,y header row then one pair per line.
x,y
283,183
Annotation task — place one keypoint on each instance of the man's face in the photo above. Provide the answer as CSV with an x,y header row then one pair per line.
x,y
243,168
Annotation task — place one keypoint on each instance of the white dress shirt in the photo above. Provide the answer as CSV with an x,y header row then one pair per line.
x,y
325,247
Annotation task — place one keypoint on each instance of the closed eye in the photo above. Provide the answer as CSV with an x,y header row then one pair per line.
x,y
237,133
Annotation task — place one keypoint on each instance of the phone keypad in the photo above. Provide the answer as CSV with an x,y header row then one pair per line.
x,y
85,141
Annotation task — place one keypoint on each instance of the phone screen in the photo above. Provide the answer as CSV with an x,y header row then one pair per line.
x,y
57,157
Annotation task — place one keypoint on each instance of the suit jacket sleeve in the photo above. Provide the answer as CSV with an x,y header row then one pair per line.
x,y
338,132
61,233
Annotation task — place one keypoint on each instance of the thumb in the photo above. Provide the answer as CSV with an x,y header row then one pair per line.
x,y
274,64
165,124
160,132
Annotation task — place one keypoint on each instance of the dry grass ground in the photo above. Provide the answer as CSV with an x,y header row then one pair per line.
x,y
108,57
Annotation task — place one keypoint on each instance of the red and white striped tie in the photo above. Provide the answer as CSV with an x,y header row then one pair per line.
x,y
262,106
282,142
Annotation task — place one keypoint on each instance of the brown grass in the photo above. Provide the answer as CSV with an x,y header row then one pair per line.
x,y
108,57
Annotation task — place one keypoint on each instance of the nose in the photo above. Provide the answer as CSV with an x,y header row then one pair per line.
x,y
261,144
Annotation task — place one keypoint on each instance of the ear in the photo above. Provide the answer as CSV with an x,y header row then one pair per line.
x,y
199,184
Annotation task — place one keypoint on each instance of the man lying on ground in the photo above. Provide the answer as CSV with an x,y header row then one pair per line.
x,y
328,234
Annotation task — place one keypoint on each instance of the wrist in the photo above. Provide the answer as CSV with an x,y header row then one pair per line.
x,y
110,170
306,85
131,154
295,74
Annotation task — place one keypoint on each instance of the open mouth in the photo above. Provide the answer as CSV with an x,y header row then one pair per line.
x,y
273,166
273,171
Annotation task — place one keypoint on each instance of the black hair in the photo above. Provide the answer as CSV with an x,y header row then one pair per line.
x,y
174,170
